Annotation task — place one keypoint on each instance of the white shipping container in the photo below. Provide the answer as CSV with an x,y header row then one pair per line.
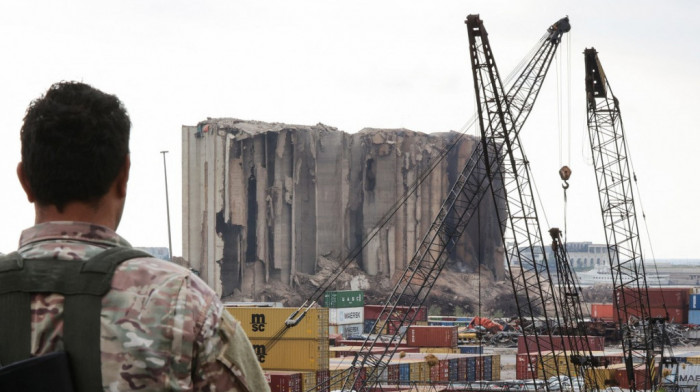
x,y
347,330
343,316
688,374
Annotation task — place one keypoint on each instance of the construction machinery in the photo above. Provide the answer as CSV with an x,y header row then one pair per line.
x,y
641,334
479,173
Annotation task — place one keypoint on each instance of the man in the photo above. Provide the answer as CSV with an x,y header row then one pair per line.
x,y
161,327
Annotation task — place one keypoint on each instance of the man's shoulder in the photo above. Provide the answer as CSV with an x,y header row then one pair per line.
x,y
147,273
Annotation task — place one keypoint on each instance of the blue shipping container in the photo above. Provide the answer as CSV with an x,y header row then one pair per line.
x,y
404,372
369,326
695,301
467,349
694,317
454,369
488,363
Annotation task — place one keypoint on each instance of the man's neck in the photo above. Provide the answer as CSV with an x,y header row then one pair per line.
x,y
76,212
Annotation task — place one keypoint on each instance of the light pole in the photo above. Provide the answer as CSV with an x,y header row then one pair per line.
x,y
167,205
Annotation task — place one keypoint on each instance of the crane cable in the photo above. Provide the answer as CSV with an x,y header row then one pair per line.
x,y
564,171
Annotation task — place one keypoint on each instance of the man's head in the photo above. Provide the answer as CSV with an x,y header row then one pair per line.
x,y
75,143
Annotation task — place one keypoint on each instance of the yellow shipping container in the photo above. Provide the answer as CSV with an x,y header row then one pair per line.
x,y
695,360
419,371
292,354
555,363
308,380
495,367
338,371
438,350
267,322
598,376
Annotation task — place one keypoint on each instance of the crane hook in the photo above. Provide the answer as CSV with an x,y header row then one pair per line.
x,y
565,174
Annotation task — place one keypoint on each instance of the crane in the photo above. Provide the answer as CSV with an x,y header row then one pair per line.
x,y
511,186
572,324
471,185
614,181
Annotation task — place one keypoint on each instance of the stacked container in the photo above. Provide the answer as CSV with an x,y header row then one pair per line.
x,y
345,312
694,311
559,342
532,365
432,337
602,312
283,381
303,347
450,321
372,313
662,300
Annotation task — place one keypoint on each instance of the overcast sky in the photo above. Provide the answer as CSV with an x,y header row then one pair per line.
x,y
357,64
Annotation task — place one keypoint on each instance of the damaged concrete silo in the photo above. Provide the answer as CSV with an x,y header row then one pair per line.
x,y
263,201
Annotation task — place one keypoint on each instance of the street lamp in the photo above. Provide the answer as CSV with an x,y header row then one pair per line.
x,y
167,205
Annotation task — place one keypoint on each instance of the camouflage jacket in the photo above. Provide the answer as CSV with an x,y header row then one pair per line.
x,y
162,328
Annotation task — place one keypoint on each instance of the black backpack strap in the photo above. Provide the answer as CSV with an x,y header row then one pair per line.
x,y
81,317
15,325
83,283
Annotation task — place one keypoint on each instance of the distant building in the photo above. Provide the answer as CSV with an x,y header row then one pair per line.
x,y
582,255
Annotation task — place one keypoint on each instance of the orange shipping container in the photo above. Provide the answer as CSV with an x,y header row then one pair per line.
x,y
602,312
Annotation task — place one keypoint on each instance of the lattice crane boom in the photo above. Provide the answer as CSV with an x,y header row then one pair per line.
x,y
614,180
511,187
416,281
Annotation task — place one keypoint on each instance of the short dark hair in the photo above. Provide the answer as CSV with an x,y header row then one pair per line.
x,y
75,139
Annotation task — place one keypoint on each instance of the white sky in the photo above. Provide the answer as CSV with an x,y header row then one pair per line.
x,y
356,64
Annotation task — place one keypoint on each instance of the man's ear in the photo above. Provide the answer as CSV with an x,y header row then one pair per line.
x,y
25,183
123,177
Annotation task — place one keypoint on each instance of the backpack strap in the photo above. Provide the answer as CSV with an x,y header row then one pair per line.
x,y
83,283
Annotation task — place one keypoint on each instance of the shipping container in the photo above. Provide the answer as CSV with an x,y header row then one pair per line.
x,y
263,322
472,369
419,370
283,381
323,381
253,304
429,336
338,366
292,354
670,297
368,327
348,330
344,299
594,343
675,315
525,366
308,380
599,377
685,374
495,367
372,312
487,374
694,303
602,312
342,316
641,376
438,350
470,349
694,317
